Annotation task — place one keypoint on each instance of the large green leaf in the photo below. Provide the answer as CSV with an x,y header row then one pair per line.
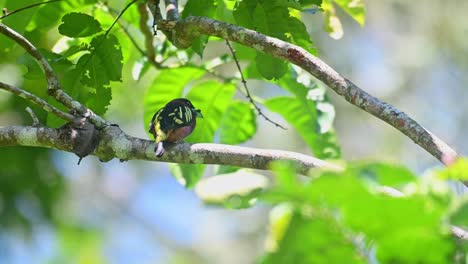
x,y
302,115
354,8
168,85
77,25
313,239
98,68
273,18
213,98
456,171
206,8
238,124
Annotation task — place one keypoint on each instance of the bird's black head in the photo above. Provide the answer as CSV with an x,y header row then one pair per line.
x,y
186,102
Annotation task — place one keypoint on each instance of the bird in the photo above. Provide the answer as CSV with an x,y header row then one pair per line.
x,y
174,122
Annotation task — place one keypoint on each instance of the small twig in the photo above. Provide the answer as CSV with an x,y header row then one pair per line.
x,y
244,82
118,17
172,11
7,14
34,118
154,8
40,102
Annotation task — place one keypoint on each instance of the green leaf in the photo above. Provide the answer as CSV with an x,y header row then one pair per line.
x,y
98,68
269,67
213,98
457,171
302,115
313,239
460,216
238,124
413,221
168,85
187,174
104,63
205,8
300,36
383,173
232,190
332,22
273,19
354,8
77,25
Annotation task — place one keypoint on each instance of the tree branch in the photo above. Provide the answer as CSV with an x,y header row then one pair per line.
x,y
184,32
40,102
53,84
115,143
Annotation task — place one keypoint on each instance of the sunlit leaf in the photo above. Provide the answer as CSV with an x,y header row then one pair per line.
x,y
238,124
79,25
302,115
460,216
456,171
313,239
383,173
205,8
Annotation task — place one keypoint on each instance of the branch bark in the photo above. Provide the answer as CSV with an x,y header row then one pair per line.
x,y
40,102
114,143
185,31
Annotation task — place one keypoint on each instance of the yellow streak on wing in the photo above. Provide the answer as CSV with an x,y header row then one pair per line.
x,y
187,119
180,112
178,121
171,114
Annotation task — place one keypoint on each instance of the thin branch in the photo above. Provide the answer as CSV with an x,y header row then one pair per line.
x,y
186,30
7,14
40,102
153,6
53,84
142,9
247,92
34,118
172,10
118,17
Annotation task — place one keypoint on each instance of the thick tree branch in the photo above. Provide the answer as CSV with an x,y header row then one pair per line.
x,y
184,32
115,143
40,102
53,84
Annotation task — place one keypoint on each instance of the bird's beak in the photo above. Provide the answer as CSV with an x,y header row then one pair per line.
x,y
199,114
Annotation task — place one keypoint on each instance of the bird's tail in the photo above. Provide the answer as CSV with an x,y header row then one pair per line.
x,y
159,149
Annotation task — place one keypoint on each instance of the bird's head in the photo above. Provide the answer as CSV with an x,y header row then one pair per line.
x,y
186,102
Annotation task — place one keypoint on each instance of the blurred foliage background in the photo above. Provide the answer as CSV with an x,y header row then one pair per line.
x,y
411,54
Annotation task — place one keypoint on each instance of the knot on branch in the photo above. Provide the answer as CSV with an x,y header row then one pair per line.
x,y
82,135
